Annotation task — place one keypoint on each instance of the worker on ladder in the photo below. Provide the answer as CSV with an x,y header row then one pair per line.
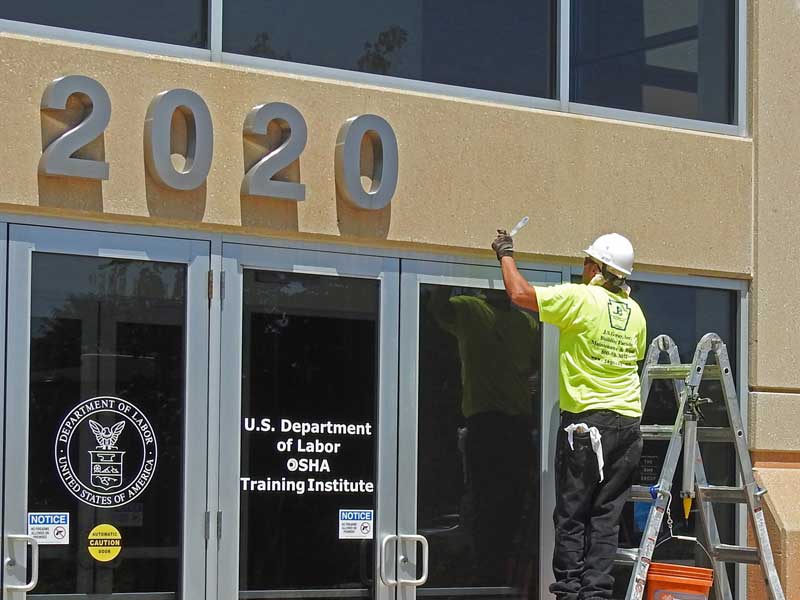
x,y
599,444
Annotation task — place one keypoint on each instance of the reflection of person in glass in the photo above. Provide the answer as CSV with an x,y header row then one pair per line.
x,y
603,335
499,351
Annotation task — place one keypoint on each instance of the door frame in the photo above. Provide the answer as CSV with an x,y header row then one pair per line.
x,y
235,258
23,240
415,273
3,291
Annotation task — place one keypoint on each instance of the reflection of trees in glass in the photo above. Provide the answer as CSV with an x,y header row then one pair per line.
x,y
197,39
263,47
377,57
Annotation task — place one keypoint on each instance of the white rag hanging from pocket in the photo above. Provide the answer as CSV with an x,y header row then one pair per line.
x,y
594,435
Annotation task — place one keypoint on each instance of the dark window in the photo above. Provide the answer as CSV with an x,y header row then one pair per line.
x,y
107,349
479,460
671,58
504,47
182,22
309,397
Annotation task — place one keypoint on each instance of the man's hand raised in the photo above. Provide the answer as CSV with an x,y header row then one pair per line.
x,y
503,244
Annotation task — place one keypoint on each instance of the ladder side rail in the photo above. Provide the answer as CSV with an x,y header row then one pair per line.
x,y
710,530
659,344
699,361
754,505
707,517
678,385
657,510
636,585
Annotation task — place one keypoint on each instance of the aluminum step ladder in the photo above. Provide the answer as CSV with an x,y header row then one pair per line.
x,y
684,435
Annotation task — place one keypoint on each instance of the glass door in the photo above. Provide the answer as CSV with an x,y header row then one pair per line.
x,y
471,411
106,416
308,430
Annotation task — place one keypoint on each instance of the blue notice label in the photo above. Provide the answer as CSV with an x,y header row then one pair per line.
x,y
48,519
355,524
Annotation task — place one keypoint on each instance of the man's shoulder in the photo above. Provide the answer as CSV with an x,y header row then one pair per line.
x,y
565,289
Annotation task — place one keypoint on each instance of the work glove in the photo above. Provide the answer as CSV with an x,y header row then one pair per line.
x,y
503,244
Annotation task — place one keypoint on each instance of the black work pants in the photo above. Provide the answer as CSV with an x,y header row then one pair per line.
x,y
587,510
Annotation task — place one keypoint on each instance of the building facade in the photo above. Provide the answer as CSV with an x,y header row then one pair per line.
x,y
245,265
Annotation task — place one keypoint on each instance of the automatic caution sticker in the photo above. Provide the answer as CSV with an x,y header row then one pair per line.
x,y
105,543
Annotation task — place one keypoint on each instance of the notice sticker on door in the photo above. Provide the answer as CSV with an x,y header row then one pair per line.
x,y
49,527
355,524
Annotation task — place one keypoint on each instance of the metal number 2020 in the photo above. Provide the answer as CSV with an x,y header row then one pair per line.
x,y
58,157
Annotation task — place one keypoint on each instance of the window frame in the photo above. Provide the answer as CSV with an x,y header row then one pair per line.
x,y
560,103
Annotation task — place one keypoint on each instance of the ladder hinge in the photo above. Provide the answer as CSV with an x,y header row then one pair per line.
x,y
210,285
219,524
208,525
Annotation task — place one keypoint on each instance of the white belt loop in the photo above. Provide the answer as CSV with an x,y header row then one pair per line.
x,y
594,435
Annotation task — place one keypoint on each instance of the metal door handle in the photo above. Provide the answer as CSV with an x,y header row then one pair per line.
x,y
425,552
10,562
384,578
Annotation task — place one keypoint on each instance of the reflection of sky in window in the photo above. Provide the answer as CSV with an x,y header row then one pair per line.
x,y
662,16
487,44
687,313
171,21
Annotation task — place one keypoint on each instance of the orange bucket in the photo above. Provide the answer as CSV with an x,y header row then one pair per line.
x,y
677,582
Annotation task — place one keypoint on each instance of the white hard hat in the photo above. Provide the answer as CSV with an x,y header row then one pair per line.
x,y
615,251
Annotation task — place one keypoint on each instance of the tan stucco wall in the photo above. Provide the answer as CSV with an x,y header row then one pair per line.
x,y
776,130
783,524
774,422
774,376
466,168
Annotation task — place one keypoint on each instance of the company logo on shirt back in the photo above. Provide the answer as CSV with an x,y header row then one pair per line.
x,y
619,314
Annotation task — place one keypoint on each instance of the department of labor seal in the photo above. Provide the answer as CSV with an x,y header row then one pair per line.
x,y
106,452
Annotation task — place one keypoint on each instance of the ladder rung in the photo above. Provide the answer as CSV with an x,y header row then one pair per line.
x,y
722,493
704,434
738,554
680,371
626,556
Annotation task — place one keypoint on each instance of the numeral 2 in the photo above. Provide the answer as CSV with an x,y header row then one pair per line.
x,y
258,180
57,158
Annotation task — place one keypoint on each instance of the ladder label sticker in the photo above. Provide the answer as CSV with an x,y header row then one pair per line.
x,y
49,527
356,524
761,525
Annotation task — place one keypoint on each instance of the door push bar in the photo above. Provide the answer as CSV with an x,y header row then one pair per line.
x,y
422,540
11,563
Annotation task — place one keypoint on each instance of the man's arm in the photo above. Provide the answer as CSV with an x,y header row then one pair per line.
x,y
518,289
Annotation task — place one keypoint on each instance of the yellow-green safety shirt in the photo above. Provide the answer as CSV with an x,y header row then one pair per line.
x,y
499,351
603,334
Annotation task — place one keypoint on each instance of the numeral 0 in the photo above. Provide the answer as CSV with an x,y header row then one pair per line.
x,y
158,139
348,161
